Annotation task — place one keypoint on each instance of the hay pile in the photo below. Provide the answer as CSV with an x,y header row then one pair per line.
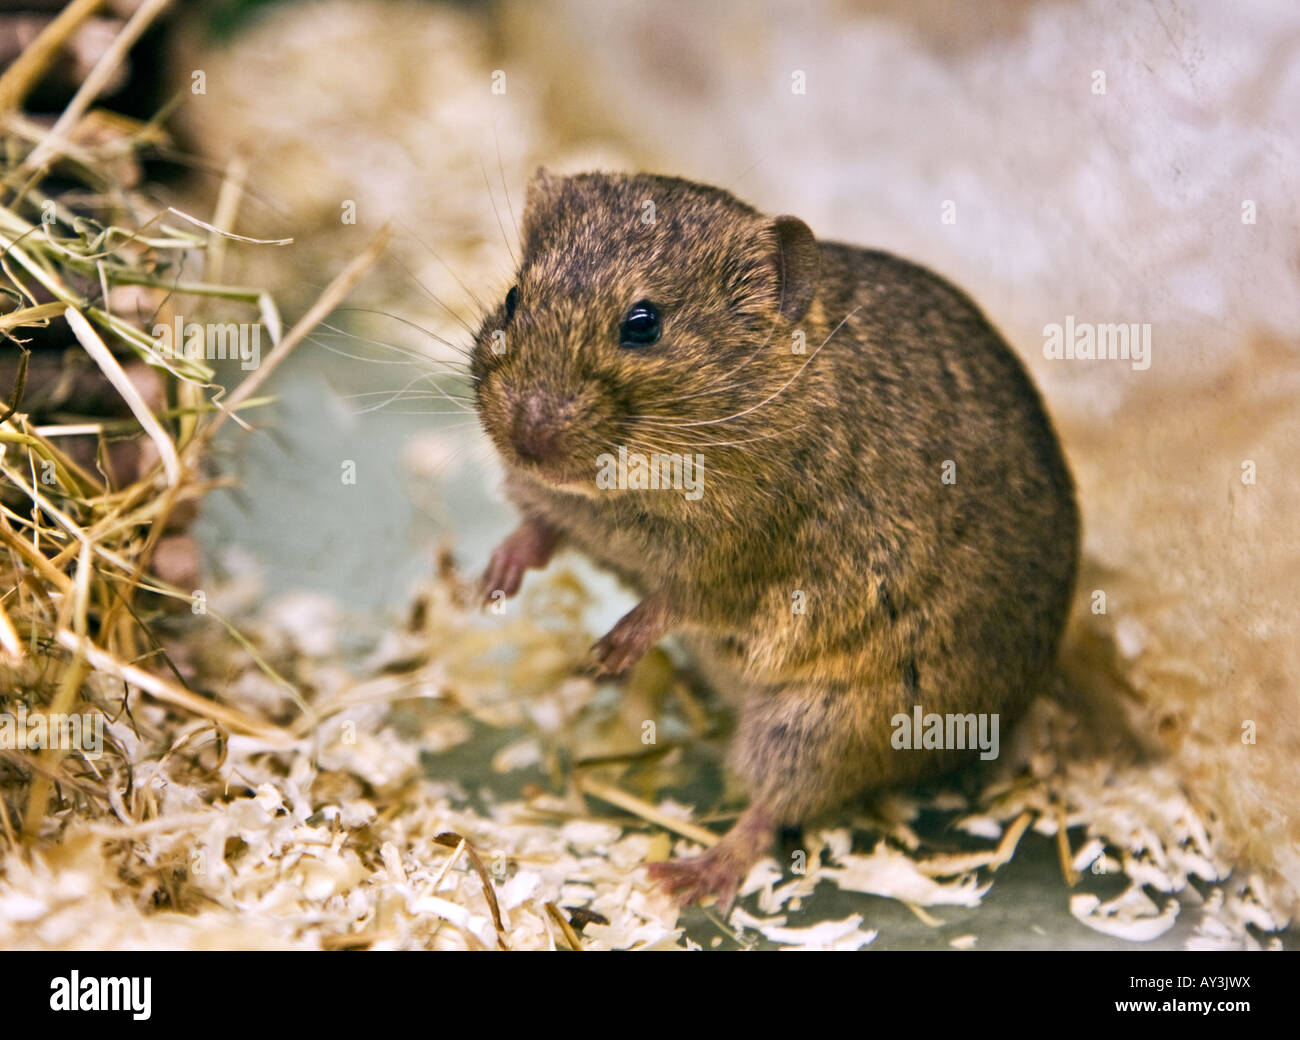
x,y
103,434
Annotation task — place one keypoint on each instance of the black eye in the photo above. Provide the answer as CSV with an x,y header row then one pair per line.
x,y
641,326
512,301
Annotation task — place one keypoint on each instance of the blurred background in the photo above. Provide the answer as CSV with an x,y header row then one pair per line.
x,y
1114,162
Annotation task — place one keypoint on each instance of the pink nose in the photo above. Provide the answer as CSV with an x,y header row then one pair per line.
x,y
533,443
534,433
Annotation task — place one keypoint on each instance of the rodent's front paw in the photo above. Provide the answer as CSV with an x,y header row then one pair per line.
x,y
505,573
613,654
531,544
626,643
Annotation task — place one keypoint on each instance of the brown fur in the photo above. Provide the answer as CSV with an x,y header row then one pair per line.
x,y
823,475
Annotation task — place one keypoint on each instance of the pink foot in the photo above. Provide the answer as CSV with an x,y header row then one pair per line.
x,y
721,869
633,634
529,545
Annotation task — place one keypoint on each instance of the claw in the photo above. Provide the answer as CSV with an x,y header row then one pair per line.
x,y
698,877
634,633
719,871
531,544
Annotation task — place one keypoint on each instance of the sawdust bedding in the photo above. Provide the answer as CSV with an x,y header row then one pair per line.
x,y
331,829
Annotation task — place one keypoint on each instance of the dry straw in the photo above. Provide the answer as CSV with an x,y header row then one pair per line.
x,y
76,588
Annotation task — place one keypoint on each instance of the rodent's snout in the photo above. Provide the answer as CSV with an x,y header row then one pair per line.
x,y
537,425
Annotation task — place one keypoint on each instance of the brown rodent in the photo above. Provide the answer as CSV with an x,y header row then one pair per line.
x,y
897,478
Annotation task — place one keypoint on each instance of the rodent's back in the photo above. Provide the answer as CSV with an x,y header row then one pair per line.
x,y
941,497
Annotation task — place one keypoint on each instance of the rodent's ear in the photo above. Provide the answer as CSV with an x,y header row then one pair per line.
x,y
542,190
541,186
799,265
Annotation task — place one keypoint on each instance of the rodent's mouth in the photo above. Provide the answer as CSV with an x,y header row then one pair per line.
x,y
553,472
552,475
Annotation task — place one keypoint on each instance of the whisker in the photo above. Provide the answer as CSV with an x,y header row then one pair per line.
x,y
396,394
415,325
429,249
319,342
467,450
733,443
777,393
727,375
408,393
749,385
497,212
505,188
422,411
411,411
414,357
434,297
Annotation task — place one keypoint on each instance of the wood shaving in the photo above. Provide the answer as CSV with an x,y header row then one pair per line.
x,y
347,838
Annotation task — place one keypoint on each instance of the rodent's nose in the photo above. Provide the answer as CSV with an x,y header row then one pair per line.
x,y
534,445
535,430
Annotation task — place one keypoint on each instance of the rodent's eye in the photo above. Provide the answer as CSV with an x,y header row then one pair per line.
x,y
641,326
512,301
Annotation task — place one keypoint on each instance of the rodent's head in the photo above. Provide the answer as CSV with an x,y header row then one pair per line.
x,y
649,313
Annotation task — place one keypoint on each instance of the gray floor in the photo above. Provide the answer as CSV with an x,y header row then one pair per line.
x,y
369,542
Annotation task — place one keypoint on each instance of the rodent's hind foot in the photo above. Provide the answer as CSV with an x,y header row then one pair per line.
x,y
531,544
720,870
694,879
